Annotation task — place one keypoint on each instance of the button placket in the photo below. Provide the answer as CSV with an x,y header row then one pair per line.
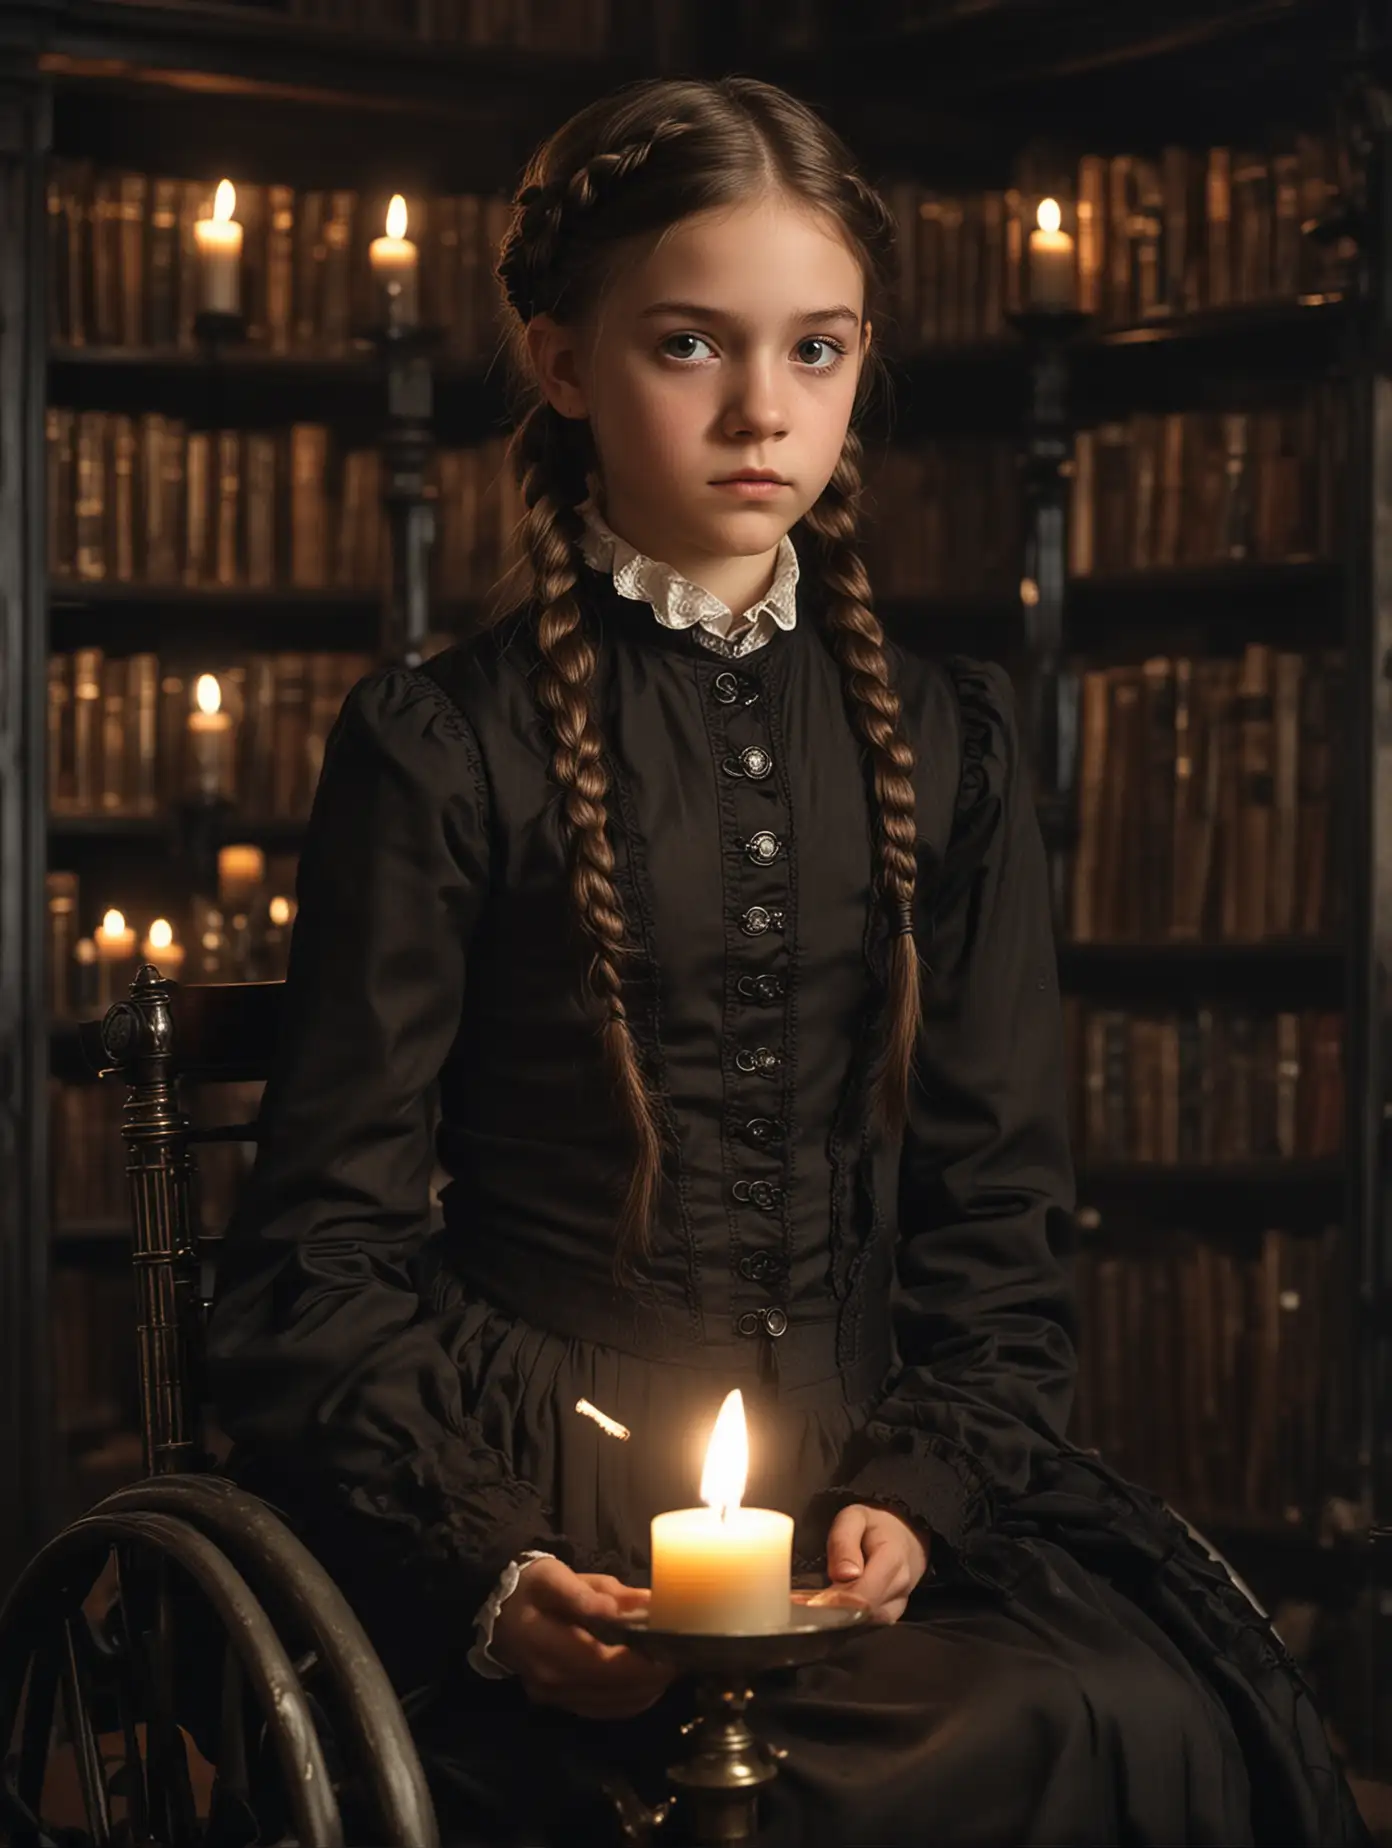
x,y
748,769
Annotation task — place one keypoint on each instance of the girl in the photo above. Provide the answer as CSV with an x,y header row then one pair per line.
x,y
716,933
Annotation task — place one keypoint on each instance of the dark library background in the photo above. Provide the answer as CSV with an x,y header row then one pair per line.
x,y
1167,510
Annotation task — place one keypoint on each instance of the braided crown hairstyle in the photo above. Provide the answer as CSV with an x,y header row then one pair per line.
x,y
621,171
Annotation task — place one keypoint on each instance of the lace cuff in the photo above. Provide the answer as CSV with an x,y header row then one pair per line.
x,y
481,1658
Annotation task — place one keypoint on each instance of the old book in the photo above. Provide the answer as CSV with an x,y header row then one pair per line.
x,y
1169,491
1235,520
993,260
227,552
56,241
1322,1098
1095,705
131,205
1189,1052
198,483
1314,791
87,730
310,257
1118,300
1250,863
1147,223
309,524
1285,236
262,500
258,736
1143,1086
969,269
59,722
90,505
105,246
1119,858
1264,1381
161,464
1287,672
120,537
1218,292
1252,217
1289,1041
77,266
289,793
1092,218
280,267
1112,498
114,679
162,264
171,722
142,734
1145,471
195,202
252,211
1158,788
1178,292
60,892
336,296
1082,495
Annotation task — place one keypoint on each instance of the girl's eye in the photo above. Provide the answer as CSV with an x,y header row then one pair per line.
x,y
834,348
699,340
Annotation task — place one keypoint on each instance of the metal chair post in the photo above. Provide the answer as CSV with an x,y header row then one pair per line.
x,y
137,1037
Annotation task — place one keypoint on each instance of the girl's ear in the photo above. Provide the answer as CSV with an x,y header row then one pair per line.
x,y
555,355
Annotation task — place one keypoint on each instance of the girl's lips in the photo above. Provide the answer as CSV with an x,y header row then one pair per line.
x,y
750,489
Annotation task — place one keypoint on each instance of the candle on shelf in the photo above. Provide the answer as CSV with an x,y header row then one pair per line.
x,y
722,1569
210,742
160,949
219,243
394,261
241,872
1051,277
115,941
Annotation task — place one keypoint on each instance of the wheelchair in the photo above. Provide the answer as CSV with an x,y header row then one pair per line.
x,y
183,1609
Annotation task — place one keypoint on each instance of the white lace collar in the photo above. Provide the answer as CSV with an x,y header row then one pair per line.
x,y
677,603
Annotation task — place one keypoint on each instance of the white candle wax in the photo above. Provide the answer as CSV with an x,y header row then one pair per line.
x,y
219,243
210,743
726,1572
161,949
394,259
1051,278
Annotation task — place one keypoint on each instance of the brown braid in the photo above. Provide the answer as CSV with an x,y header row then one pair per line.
x,y
858,640
550,465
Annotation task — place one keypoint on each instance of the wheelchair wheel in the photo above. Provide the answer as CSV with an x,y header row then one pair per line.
x,y
183,1611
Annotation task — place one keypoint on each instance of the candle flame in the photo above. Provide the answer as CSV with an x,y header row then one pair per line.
x,y
161,934
224,201
208,693
602,1419
280,911
727,1456
113,923
396,216
1048,217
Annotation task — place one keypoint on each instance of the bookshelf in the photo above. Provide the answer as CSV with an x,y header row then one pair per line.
x,y
1224,1214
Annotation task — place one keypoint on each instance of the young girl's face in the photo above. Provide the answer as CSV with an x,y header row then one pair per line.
x,y
734,344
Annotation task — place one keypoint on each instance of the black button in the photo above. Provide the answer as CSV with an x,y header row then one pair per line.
x,y
762,1130
763,848
771,1322
759,919
762,1266
733,690
753,761
763,1059
762,1194
765,989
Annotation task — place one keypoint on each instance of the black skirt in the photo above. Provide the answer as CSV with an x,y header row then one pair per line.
x,y
1033,1703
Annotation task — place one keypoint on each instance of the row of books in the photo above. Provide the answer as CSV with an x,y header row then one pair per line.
x,y
1249,1353
1197,228
146,500
126,735
1199,487
944,519
124,266
1206,792
1211,1085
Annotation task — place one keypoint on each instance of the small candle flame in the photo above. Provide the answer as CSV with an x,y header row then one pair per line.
x,y
602,1419
396,216
208,693
280,911
1048,217
727,1457
161,934
224,201
113,923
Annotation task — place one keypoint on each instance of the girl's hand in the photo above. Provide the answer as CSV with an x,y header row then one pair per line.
x,y
537,1635
875,1557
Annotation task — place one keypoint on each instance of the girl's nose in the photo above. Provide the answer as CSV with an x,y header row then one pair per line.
x,y
756,409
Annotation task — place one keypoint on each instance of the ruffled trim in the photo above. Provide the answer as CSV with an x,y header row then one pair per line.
x,y
983,723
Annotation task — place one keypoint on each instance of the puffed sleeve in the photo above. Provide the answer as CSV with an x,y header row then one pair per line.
x,y
327,1370
984,1310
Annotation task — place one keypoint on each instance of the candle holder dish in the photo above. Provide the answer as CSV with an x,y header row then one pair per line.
x,y
726,1766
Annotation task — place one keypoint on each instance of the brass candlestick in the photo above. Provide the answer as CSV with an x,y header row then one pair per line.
x,y
726,1766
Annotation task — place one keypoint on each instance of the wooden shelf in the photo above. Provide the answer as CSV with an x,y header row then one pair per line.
x,y
1292,973
1232,1199
191,625
161,830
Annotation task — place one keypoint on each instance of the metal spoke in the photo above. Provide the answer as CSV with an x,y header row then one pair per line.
x,y
90,1771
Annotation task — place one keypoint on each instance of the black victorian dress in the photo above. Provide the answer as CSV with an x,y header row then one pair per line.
x,y
1073,1669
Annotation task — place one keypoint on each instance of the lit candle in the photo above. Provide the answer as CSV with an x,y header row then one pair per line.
x,y
1051,279
210,742
722,1568
219,242
160,949
394,259
115,941
241,871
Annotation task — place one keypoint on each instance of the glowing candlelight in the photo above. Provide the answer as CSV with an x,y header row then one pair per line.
x,y
394,260
219,243
210,742
1051,280
160,949
723,1568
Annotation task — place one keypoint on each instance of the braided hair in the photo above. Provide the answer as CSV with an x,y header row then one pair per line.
x,y
628,167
